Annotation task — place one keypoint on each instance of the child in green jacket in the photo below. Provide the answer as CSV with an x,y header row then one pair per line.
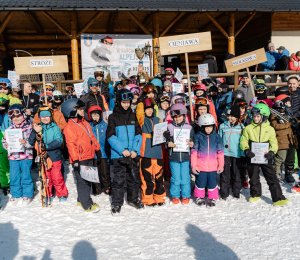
x,y
260,131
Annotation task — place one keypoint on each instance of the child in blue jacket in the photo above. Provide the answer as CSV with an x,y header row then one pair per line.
x,y
99,128
231,133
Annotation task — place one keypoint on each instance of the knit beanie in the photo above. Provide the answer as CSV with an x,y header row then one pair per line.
x,y
234,111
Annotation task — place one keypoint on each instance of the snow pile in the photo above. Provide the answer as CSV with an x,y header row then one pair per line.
x,y
234,229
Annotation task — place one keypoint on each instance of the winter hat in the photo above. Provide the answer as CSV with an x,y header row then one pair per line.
x,y
149,103
168,83
92,81
281,48
271,45
234,111
246,75
45,113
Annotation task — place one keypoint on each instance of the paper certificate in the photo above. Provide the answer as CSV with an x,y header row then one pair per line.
x,y
78,89
115,72
126,70
181,139
12,138
89,173
14,78
259,149
178,75
158,132
176,88
203,71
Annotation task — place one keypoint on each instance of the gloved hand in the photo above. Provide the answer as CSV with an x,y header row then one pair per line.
x,y
249,153
194,170
220,169
280,121
76,164
193,124
167,134
273,67
99,156
269,155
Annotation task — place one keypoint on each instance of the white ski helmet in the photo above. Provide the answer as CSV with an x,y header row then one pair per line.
x,y
206,120
57,93
50,86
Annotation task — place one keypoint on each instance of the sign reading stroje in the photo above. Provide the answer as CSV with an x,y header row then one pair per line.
x,y
41,63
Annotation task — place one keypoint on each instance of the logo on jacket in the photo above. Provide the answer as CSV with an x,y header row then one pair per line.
x,y
31,100
132,122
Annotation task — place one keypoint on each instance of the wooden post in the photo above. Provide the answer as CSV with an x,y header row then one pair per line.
x,y
252,89
59,87
231,38
74,47
189,84
155,41
236,80
44,87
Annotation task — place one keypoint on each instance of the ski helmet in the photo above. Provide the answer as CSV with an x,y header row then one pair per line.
x,y
57,95
193,79
17,109
69,107
206,120
124,94
200,86
46,108
177,99
4,100
178,110
282,90
238,94
5,83
169,71
163,98
201,101
94,109
50,86
149,87
50,97
70,87
156,82
99,73
135,89
263,110
279,102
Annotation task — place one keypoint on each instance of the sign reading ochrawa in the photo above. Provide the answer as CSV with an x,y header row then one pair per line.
x,y
41,64
185,43
246,60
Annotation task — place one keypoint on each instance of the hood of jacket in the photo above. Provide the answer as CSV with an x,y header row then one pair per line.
x,y
295,57
285,52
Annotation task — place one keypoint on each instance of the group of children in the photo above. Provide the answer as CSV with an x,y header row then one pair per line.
x,y
219,142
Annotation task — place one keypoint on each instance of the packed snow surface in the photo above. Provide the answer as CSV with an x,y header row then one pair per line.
x,y
234,229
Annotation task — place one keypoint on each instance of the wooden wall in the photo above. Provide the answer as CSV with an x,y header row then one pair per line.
x,y
285,22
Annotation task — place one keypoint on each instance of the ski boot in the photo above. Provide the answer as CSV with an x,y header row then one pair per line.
x,y
288,174
137,204
200,201
152,205
254,199
237,195
281,202
62,199
175,201
211,202
161,204
185,201
115,210
93,208
14,201
26,201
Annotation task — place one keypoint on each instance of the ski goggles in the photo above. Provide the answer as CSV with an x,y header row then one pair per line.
x,y
3,85
49,98
178,112
149,88
241,104
261,87
165,98
58,97
14,112
69,88
127,96
168,72
179,101
99,74
135,90
93,85
201,101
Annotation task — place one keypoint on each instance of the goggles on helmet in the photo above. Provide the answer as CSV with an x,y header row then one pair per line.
x,y
177,112
69,88
127,96
168,72
3,85
58,97
14,112
149,88
201,101
165,98
260,87
179,101
135,90
241,104
49,98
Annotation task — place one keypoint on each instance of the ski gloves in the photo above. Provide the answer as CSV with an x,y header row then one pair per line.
x,y
269,155
249,153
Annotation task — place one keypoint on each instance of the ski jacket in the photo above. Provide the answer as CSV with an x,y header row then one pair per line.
x,y
162,114
259,133
52,138
14,99
286,138
104,91
27,152
179,156
231,135
221,104
4,124
80,140
147,149
294,63
207,153
58,117
91,99
99,132
295,102
283,61
123,132
212,64
272,58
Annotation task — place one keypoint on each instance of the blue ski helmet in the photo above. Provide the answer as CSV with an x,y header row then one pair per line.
x,y
69,107
7,81
156,82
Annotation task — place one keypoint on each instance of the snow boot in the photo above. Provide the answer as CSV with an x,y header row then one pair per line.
x,y
185,201
253,199
200,201
115,210
14,201
237,195
93,208
175,200
6,190
281,202
152,205
62,199
161,204
26,201
211,202
137,204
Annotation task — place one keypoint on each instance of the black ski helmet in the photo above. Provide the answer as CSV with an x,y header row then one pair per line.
x,y
69,107
282,90
238,94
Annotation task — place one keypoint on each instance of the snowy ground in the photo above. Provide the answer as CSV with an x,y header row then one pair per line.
x,y
234,229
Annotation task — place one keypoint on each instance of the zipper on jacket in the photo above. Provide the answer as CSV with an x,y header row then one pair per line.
x,y
259,132
127,132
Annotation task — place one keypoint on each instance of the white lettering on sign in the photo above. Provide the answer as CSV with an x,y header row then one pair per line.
x,y
41,63
244,60
186,42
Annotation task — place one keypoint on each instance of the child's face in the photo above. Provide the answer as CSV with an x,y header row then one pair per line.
x,y
165,105
149,112
125,104
256,119
167,89
179,119
96,117
202,110
4,91
199,93
45,119
232,119
17,119
150,94
288,104
80,111
209,129
243,110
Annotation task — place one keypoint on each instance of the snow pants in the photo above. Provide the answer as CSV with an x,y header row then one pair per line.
x,y
270,176
232,174
56,179
83,186
167,171
104,177
122,174
21,184
153,190
286,156
209,180
244,169
4,169
180,180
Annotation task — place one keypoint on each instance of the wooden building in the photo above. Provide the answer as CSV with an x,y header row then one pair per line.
x,y
44,27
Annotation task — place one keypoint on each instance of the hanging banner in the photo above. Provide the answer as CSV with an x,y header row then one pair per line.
x,y
101,51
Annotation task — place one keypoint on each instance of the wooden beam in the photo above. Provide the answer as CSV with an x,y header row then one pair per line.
x,y
60,27
207,25
74,46
175,19
34,21
111,23
180,22
147,21
218,25
155,24
243,26
6,20
134,18
73,20
231,38
89,23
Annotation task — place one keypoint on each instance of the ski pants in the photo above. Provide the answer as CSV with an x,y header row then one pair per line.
x,y
167,171
206,180
180,180
21,184
104,177
270,176
83,186
286,156
153,190
244,169
122,174
4,169
232,174
56,179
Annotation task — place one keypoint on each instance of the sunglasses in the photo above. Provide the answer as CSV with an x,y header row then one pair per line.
x,y
93,85
165,98
241,104
14,112
127,96
201,101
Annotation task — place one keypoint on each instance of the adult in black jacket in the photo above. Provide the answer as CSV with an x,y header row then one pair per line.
x,y
283,61
93,97
229,80
212,64
293,84
103,86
